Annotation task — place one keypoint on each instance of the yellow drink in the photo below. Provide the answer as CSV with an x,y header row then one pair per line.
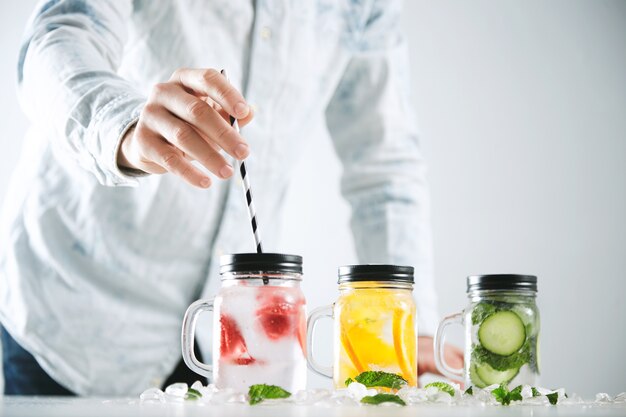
x,y
375,330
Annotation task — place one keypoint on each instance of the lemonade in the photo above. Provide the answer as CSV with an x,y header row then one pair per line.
x,y
375,331
374,324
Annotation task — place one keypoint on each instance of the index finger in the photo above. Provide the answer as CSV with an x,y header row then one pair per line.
x,y
211,83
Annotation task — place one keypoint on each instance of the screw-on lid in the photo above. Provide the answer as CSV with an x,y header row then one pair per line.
x,y
372,272
513,282
260,262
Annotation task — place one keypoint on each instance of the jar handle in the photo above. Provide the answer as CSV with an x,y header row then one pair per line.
x,y
318,313
189,334
440,360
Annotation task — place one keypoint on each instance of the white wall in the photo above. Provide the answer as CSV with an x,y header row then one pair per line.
x,y
522,108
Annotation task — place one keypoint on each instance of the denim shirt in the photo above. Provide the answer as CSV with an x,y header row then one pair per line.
x,y
98,267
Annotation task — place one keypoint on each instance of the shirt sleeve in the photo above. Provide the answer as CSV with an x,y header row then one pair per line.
x,y
370,120
67,82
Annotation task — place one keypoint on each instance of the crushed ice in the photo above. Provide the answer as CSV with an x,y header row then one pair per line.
x,y
351,396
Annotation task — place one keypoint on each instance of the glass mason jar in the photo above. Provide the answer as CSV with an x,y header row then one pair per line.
x,y
501,332
375,324
259,324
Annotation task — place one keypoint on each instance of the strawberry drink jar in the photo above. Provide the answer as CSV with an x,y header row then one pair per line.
x,y
259,323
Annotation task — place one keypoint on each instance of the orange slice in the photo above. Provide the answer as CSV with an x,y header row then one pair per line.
x,y
404,344
347,346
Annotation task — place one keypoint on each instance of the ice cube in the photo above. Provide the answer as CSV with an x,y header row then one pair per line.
x,y
197,386
412,395
561,392
484,396
357,390
620,398
572,399
152,395
541,400
337,398
207,393
420,396
457,390
527,391
237,398
603,397
223,396
544,391
178,389
310,397
442,397
431,392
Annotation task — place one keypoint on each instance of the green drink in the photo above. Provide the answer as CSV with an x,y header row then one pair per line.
x,y
501,332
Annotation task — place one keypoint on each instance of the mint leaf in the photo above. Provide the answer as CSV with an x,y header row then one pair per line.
x,y
193,394
533,360
516,393
501,394
442,386
260,392
469,391
380,379
553,398
349,381
382,398
536,392
504,396
482,311
498,362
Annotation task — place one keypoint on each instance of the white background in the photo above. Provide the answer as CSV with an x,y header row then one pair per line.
x,y
522,110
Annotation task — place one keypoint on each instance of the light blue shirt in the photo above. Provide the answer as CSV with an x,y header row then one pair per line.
x,y
97,267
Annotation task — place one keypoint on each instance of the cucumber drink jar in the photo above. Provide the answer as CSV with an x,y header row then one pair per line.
x,y
501,332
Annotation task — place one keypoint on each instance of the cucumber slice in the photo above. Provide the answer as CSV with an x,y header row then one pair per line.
x,y
476,381
490,376
502,333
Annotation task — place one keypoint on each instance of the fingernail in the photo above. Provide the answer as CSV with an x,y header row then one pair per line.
x,y
226,171
242,150
241,109
205,182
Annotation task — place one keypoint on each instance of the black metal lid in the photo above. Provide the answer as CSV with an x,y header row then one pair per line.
x,y
260,262
373,272
513,282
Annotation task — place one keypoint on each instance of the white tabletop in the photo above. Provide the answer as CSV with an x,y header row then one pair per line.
x,y
83,407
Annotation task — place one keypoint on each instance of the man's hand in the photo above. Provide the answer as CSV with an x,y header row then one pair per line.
x,y
426,356
186,119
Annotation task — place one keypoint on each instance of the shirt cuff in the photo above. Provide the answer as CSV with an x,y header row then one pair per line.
x,y
113,122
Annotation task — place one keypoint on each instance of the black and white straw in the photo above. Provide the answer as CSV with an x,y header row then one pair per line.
x,y
246,188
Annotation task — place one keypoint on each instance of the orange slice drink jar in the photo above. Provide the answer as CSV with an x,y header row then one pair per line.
x,y
375,324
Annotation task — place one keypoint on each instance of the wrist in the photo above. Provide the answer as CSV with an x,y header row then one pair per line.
x,y
123,163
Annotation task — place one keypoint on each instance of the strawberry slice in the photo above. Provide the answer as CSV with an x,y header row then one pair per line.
x,y
280,313
232,344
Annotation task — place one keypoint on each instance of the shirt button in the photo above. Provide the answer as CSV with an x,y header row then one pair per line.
x,y
266,33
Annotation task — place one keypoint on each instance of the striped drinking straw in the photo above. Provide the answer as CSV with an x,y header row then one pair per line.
x,y
246,187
